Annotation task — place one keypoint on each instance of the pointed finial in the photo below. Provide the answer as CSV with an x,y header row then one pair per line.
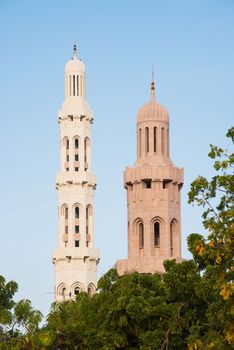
x,y
152,84
74,51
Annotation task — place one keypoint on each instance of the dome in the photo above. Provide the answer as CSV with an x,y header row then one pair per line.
x,y
152,110
74,64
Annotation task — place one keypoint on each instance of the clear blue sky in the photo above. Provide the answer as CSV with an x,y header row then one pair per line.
x,y
192,48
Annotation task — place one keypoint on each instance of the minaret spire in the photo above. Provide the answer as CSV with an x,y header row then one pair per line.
x,y
74,51
152,85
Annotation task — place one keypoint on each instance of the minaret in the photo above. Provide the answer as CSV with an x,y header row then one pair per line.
x,y
75,258
153,187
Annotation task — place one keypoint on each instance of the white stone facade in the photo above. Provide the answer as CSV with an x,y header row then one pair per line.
x,y
75,258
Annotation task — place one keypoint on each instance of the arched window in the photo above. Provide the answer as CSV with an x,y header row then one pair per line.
x,y
67,144
76,291
87,219
77,212
146,140
91,289
172,235
139,142
156,234
162,140
155,139
141,235
63,293
76,143
66,213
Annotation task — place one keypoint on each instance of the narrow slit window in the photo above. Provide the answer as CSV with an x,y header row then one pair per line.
x,y
155,139
69,85
77,212
77,85
76,143
141,235
163,140
156,234
87,220
66,213
147,140
74,86
67,144
139,143
77,229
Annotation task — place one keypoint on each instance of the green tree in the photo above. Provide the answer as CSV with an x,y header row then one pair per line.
x,y
214,255
19,322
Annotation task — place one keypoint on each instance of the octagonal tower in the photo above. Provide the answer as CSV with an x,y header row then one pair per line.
x,y
153,187
76,257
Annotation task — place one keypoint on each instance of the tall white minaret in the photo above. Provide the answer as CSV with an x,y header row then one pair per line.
x,y
75,258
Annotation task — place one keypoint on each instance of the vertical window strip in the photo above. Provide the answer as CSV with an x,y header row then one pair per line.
x,y
168,143
162,141
69,85
74,85
155,139
147,140
77,85
139,143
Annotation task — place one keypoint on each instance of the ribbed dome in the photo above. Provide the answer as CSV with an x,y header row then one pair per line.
x,y
152,110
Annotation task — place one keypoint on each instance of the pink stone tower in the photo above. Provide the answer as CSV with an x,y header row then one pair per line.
x,y
153,187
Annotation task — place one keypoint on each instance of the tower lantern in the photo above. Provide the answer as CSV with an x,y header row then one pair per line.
x,y
75,257
153,187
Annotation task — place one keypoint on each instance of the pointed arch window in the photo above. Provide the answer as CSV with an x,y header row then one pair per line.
x,y
76,291
87,219
66,213
172,235
63,293
77,212
141,235
156,234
